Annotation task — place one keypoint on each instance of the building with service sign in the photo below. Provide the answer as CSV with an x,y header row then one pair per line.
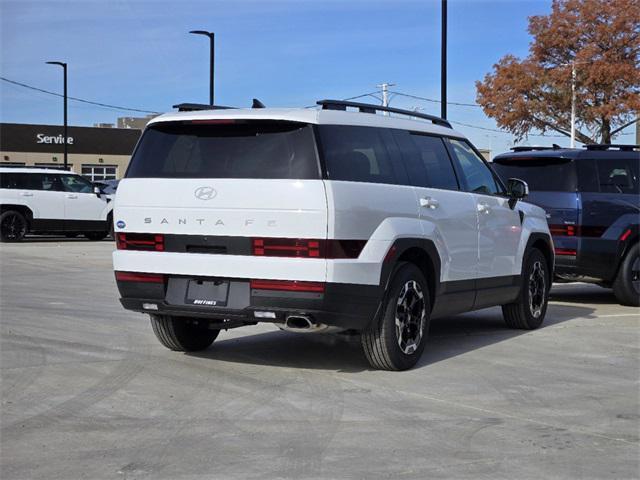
x,y
96,153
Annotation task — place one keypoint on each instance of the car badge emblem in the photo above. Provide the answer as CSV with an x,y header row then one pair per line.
x,y
205,193
120,224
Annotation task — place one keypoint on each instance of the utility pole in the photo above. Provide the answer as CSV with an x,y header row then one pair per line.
x,y
385,94
443,62
573,104
66,138
212,37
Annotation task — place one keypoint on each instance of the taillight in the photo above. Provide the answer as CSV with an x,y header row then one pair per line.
x,y
140,241
306,248
287,285
625,235
140,277
563,230
566,251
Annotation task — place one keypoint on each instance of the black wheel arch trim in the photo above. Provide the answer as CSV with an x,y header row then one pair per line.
x,y
537,238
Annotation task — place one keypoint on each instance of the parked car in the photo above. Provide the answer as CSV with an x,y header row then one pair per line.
x,y
323,220
51,201
592,200
108,187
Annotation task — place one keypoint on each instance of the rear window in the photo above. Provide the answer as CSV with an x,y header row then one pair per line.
x,y
270,150
541,174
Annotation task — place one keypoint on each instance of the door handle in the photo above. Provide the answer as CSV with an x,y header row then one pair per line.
x,y
72,195
484,208
429,202
27,194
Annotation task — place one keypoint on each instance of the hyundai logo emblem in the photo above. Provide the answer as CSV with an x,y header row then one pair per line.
x,y
121,224
205,193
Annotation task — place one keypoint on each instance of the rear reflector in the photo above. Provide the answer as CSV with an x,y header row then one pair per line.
x,y
287,285
139,277
565,230
140,241
566,251
306,248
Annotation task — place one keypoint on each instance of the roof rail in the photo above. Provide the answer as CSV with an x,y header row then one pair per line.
x,y
368,108
191,107
529,148
608,146
37,167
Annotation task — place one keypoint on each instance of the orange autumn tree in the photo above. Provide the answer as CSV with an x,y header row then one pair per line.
x,y
602,37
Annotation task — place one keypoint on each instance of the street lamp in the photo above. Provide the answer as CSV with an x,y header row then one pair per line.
x,y
211,36
64,68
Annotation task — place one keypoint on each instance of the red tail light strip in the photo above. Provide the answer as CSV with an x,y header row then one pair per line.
x,y
287,285
577,230
140,241
140,277
566,251
306,248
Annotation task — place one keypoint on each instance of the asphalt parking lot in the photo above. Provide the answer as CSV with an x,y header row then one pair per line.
x,y
88,392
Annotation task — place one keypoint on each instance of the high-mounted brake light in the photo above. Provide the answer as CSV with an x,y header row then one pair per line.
x,y
217,121
306,248
140,277
140,241
287,285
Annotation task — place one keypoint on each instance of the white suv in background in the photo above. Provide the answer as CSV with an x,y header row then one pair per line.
x,y
323,220
40,200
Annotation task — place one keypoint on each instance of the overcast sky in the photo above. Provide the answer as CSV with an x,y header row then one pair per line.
x,y
138,54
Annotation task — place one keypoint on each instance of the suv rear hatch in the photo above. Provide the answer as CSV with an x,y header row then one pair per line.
x,y
553,186
224,179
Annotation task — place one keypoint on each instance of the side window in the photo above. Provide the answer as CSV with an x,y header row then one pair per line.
x,y
427,161
50,182
16,181
477,175
77,184
357,154
617,176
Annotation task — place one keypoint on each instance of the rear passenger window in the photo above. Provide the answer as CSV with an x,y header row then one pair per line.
x,y
427,161
357,154
13,180
617,176
477,175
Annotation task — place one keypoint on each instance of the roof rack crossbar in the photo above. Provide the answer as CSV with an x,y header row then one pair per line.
x,y
369,108
607,146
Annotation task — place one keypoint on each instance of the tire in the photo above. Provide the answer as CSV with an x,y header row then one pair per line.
x,y
626,286
388,346
182,334
13,226
96,236
529,310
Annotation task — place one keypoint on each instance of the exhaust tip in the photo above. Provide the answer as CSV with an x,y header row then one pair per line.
x,y
295,322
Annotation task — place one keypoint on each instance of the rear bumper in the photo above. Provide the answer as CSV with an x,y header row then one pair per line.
x,y
347,306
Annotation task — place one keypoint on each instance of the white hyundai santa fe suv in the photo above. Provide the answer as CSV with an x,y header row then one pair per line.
x,y
323,220
51,201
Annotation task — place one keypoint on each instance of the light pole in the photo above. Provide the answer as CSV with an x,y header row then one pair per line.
x,y
66,138
573,104
211,36
443,62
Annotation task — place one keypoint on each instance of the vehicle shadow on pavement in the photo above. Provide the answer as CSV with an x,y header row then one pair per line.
x,y
586,294
448,337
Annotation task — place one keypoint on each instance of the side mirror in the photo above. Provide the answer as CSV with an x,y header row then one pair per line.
x,y
96,190
517,190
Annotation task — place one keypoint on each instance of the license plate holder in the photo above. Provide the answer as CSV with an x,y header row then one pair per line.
x,y
207,293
